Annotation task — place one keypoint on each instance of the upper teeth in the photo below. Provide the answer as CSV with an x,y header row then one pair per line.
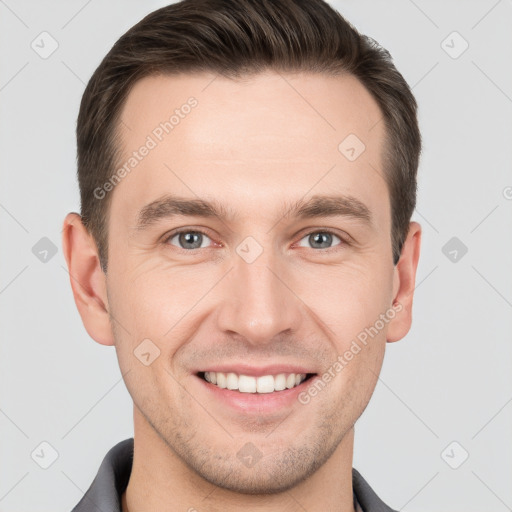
x,y
248,384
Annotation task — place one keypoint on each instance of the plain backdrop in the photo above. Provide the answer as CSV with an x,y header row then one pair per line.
x,y
445,392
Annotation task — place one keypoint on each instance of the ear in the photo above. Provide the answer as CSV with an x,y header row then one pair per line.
x,y
88,281
404,281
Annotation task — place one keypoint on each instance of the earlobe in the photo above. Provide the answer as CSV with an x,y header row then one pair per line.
x,y
88,281
404,284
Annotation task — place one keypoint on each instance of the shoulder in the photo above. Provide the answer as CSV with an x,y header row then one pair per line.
x,y
366,496
110,481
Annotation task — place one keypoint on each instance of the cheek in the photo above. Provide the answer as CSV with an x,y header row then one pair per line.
x,y
347,299
351,305
150,295
354,371
159,303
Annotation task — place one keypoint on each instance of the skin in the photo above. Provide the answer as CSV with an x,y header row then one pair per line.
x,y
253,145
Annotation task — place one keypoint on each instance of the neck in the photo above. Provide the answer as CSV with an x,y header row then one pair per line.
x,y
161,480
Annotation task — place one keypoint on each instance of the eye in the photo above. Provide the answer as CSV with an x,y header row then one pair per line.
x,y
320,239
188,239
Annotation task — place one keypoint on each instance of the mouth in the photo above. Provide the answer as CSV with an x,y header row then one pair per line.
x,y
263,384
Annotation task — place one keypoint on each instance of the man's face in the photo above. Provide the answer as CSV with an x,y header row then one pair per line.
x,y
260,286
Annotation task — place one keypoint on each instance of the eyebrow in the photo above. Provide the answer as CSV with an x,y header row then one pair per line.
x,y
317,206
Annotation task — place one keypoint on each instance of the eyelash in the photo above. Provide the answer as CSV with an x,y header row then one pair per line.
x,y
344,241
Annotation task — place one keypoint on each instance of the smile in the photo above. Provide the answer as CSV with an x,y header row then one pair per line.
x,y
250,384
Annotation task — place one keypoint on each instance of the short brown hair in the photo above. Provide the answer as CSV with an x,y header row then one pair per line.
x,y
234,38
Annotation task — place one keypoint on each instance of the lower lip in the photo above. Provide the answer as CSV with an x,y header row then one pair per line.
x,y
260,403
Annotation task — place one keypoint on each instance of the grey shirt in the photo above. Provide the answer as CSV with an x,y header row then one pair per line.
x,y
104,494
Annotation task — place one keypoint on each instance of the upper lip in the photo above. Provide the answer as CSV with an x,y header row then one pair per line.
x,y
257,371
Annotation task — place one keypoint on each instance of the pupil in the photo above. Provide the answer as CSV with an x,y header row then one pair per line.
x,y
189,238
317,237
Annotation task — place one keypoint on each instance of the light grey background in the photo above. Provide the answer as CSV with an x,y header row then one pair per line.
x,y
449,380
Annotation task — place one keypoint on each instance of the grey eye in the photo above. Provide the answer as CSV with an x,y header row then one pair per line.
x,y
189,239
320,239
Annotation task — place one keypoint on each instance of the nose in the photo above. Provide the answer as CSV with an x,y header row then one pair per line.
x,y
260,303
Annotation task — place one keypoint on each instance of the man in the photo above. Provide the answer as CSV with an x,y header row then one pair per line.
x,y
247,173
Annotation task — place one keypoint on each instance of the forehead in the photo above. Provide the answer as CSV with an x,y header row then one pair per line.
x,y
250,141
